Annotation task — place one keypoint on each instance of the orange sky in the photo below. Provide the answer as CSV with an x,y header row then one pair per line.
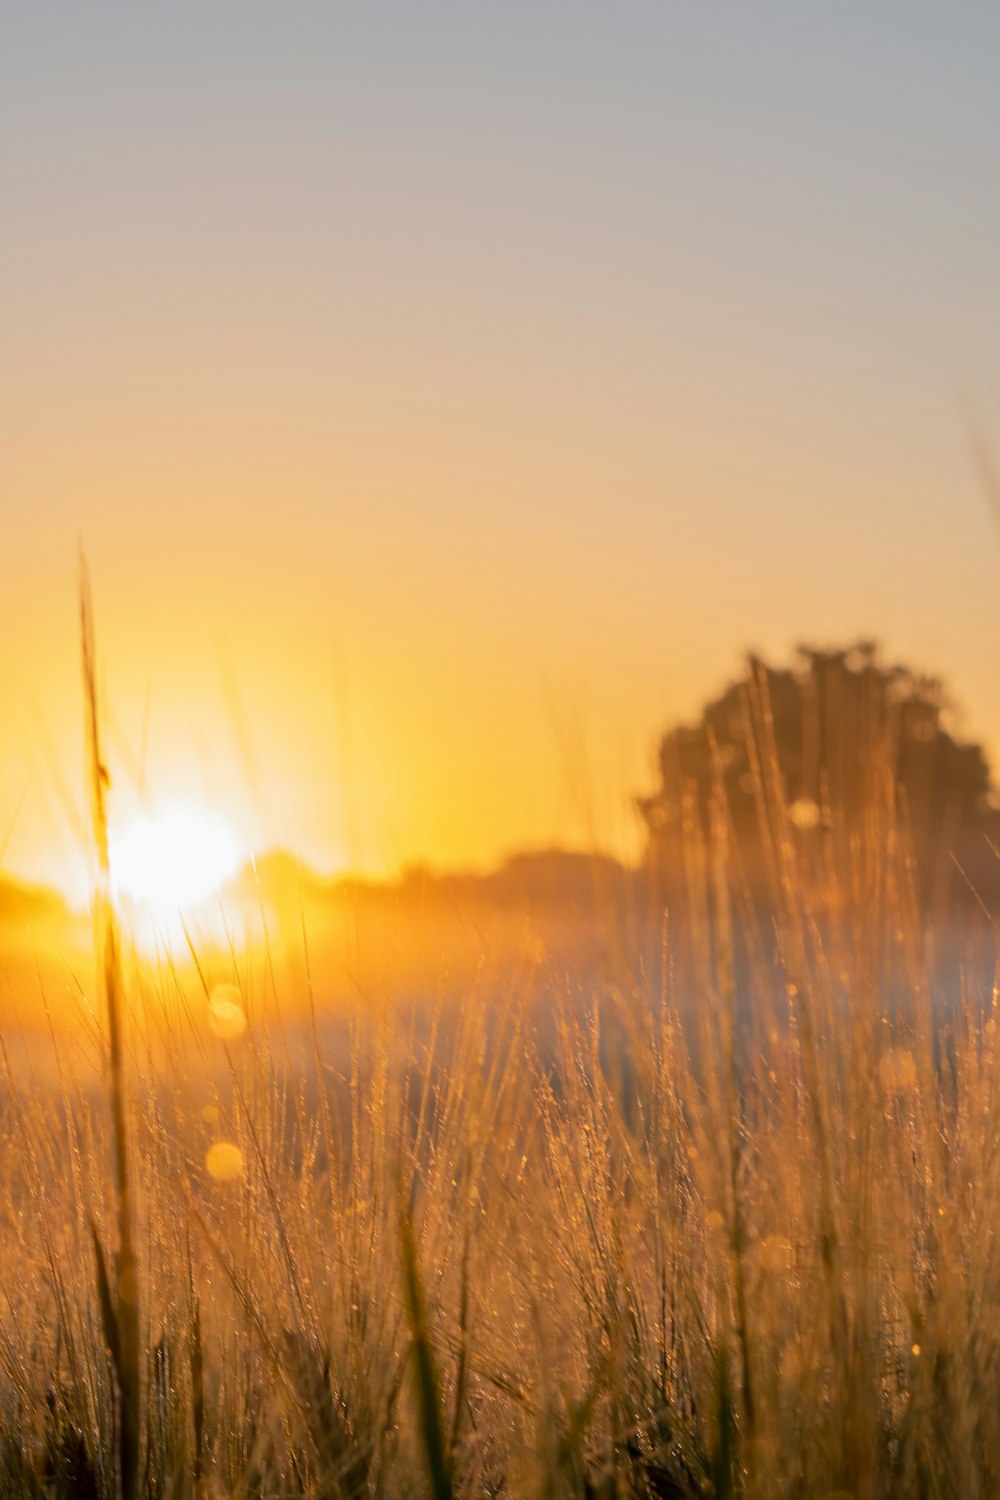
x,y
445,404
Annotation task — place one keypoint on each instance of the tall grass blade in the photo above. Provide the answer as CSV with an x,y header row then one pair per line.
x,y
428,1387
197,1365
126,1309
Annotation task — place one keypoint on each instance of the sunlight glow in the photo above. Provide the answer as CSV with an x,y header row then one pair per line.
x,y
172,860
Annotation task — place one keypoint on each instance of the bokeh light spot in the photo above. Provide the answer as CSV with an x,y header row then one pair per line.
x,y
224,1161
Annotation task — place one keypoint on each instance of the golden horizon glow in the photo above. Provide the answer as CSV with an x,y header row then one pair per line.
x,y
444,408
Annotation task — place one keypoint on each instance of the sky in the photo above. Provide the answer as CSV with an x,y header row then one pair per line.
x,y
447,396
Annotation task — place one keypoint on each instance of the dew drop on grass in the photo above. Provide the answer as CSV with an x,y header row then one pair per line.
x,y
226,1017
804,813
224,1161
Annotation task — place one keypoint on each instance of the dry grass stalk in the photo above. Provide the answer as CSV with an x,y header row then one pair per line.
x,y
120,1305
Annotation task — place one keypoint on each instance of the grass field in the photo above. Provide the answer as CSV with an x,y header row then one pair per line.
x,y
684,1235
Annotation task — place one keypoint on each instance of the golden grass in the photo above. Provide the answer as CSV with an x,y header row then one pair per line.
x,y
730,1234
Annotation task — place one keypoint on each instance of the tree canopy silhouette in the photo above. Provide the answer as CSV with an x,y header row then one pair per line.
x,y
847,737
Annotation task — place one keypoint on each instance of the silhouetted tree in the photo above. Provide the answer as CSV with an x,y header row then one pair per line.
x,y
850,739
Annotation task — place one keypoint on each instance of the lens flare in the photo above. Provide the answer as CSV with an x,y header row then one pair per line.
x,y
226,1017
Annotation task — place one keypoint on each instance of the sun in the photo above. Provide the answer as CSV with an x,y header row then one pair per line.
x,y
172,860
